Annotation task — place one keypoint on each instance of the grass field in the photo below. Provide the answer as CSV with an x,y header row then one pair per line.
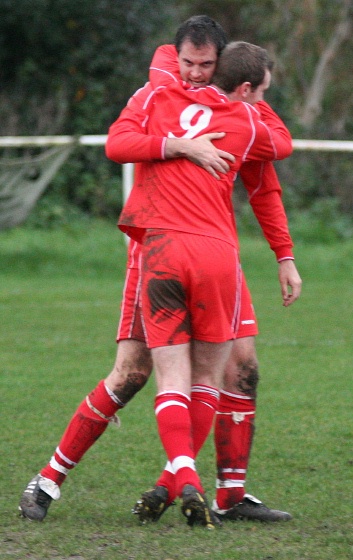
x,y
60,293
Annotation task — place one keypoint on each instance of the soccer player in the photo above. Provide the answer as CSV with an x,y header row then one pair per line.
x,y
237,406
190,282
133,364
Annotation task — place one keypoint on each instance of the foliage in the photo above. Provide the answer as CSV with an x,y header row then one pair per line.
x,y
298,34
59,293
70,67
323,221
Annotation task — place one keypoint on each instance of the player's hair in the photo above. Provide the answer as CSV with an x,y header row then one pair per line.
x,y
201,30
241,62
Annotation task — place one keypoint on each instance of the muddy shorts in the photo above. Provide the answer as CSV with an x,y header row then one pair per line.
x,y
190,288
131,325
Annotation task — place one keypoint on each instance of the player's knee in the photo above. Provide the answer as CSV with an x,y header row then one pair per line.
x,y
133,383
247,377
130,374
126,386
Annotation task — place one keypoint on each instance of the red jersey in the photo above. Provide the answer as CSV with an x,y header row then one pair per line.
x,y
259,179
176,194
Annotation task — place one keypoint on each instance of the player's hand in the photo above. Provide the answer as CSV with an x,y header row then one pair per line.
x,y
290,281
204,153
201,151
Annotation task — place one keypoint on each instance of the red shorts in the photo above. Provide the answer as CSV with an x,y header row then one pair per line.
x,y
190,288
247,325
130,325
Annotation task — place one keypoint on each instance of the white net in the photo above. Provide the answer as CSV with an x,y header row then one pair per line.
x,y
23,179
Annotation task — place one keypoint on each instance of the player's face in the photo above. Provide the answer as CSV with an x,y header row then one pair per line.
x,y
259,93
197,65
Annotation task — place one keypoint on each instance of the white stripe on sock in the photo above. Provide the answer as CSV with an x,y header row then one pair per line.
x,y
183,461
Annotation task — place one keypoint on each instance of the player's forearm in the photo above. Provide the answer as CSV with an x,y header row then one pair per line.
x,y
279,133
127,140
164,67
274,225
129,147
265,196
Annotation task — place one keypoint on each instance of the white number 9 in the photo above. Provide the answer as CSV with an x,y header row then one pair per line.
x,y
193,119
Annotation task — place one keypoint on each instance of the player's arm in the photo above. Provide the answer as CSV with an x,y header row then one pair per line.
x,y
127,140
164,68
265,196
200,151
272,139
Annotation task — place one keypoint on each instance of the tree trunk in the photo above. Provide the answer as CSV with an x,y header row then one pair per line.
x,y
313,105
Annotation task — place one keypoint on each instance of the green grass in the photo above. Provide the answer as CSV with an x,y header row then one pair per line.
x,y
59,300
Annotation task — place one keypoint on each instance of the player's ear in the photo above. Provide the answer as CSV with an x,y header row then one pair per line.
x,y
244,90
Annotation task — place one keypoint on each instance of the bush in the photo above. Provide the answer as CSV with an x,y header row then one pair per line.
x,y
322,222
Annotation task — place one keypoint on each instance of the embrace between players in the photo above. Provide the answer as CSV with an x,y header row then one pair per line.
x,y
197,324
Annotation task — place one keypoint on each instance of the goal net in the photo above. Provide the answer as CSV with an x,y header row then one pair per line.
x,y
24,178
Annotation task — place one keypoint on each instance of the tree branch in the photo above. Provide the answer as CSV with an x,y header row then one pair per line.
x,y
313,105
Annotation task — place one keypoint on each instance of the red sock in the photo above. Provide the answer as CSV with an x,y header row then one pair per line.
x,y
174,426
88,423
204,402
167,479
234,430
